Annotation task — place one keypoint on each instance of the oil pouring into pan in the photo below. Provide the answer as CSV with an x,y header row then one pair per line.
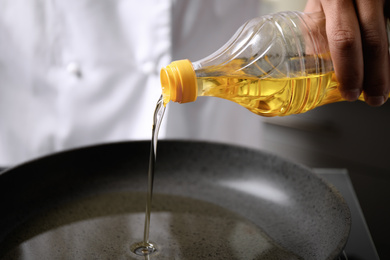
x,y
210,201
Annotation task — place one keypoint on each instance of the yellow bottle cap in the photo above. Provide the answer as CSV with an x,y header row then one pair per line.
x,y
178,82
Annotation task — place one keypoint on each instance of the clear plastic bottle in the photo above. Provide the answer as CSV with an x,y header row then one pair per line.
x,y
274,65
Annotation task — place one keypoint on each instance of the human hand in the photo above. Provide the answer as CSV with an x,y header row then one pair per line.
x,y
358,44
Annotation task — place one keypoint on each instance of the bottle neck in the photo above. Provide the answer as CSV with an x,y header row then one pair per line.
x,y
178,82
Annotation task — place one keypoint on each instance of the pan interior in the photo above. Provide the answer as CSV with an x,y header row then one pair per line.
x,y
211,200
104,227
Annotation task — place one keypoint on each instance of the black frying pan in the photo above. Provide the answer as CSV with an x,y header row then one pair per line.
x,y
210,201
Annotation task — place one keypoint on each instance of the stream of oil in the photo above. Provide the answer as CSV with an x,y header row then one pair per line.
x,y
145,247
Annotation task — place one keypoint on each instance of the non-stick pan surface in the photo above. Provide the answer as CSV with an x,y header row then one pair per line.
x,y
88,203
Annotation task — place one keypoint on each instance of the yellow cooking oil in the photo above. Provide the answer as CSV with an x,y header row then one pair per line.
x,y
273,96
263,93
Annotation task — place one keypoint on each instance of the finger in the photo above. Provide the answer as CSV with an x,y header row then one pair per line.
x,y
375,51
313,6
345,46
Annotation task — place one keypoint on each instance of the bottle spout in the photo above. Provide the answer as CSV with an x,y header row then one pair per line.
x,y
178,82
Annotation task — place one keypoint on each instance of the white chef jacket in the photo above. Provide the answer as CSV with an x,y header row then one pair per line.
x,y
81,72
